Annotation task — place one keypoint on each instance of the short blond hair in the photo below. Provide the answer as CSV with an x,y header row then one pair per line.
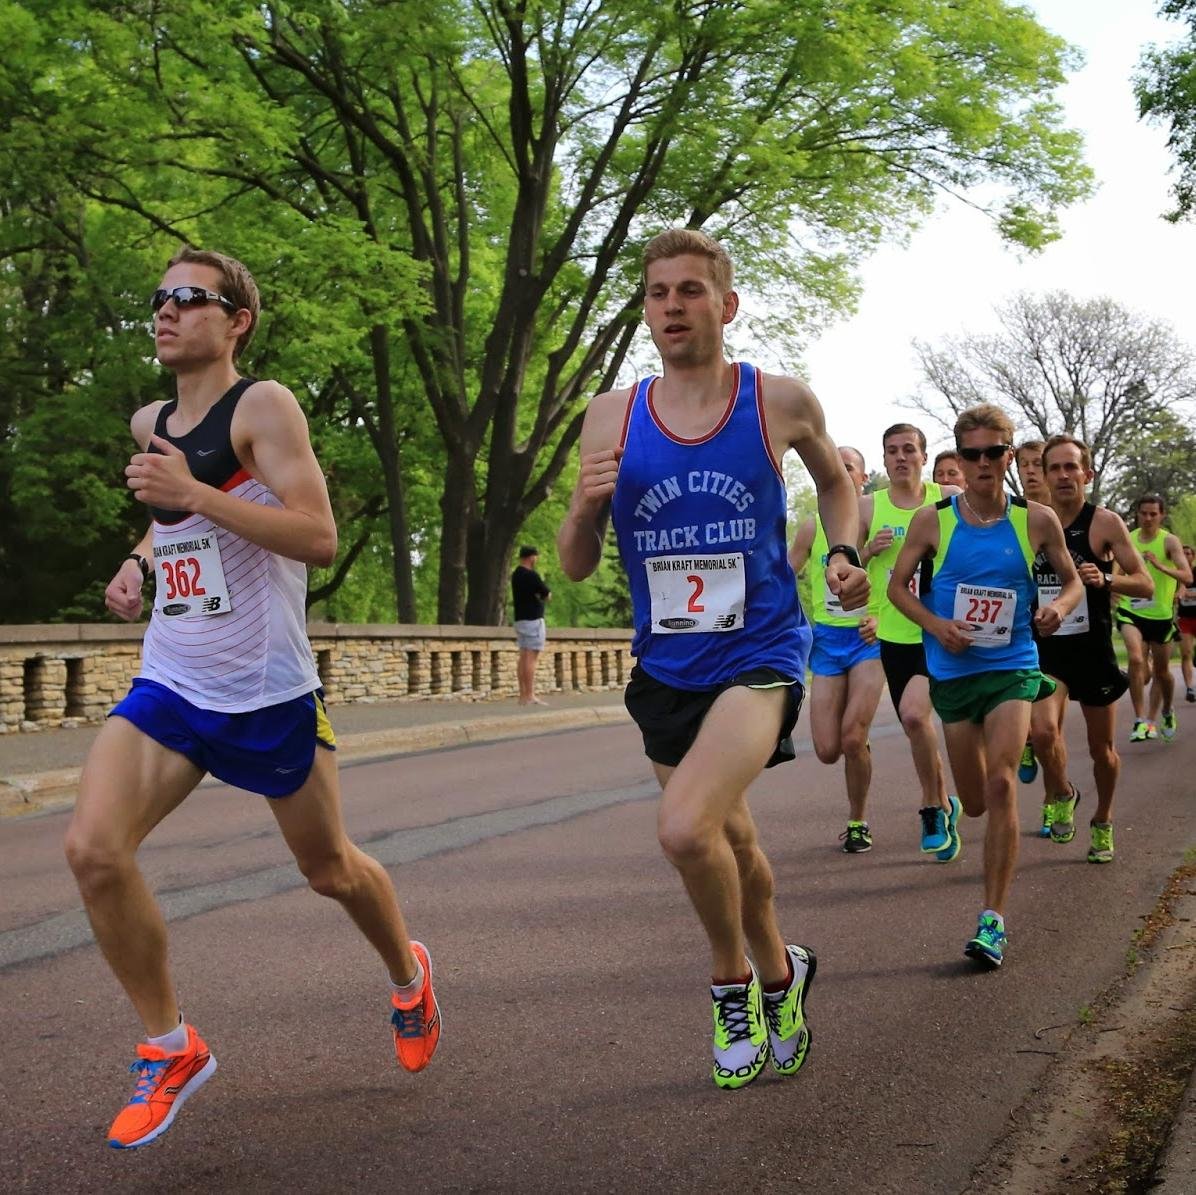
x,y
988,416
236,285
676,242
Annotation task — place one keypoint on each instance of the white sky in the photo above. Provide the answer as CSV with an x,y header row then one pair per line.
x,y
955,268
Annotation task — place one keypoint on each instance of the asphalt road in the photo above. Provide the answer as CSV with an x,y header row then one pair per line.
x,y
571,974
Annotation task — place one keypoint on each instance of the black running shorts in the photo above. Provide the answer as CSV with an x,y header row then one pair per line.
x,y
669,719
1092,676
1154,630
902,662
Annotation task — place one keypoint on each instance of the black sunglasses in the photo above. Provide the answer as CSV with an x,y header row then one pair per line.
x,y
189,296
993,452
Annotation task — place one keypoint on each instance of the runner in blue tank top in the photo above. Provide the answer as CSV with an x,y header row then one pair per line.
x,y
687,464
980,653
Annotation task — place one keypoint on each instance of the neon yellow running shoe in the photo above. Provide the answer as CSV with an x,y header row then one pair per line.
x,y
740,1032
1063,828
1101,850
788,1034
1048,816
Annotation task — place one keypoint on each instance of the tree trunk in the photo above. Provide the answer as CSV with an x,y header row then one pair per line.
x,y
391,457
457,507
491,546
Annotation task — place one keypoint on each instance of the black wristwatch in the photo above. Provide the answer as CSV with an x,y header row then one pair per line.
x,y
142,564
853,557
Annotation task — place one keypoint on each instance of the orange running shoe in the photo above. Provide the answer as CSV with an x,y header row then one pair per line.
x,y
164,1081
417,1022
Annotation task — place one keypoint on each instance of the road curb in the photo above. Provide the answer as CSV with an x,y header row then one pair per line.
x,y
33,792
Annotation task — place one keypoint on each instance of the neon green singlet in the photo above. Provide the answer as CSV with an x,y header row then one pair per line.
x,y
820,595
892,625
1162,605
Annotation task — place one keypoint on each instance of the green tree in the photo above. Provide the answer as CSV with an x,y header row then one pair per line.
x,y
447,195
1160,458
1090,368
1166,88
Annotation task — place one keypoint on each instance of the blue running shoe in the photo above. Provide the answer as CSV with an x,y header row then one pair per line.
x,y
1027,769
934,829
988,946
955,843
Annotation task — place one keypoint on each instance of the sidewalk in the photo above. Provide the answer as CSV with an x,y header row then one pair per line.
x,y
39,770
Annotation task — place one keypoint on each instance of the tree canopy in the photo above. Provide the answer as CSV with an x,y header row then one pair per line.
x,y
1122,383
1166,90
443,204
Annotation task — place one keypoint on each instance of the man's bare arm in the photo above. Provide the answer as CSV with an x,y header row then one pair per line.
x,y
803,541
579,540
1132,580
269,433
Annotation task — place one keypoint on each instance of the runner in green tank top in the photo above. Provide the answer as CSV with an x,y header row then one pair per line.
x,y
1148,624
886,515
847,677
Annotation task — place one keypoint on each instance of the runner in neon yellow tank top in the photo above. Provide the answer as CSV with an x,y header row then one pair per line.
x,y
886,516
1148,624
847,677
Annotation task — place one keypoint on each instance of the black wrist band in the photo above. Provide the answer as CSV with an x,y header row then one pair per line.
x,y
142,564
853,557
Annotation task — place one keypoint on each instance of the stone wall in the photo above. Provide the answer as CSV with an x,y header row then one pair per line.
x,y
69,674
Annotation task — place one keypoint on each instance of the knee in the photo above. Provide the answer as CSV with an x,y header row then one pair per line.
x,y
683,840
827,752
332,875
913,722
1000,790
1043,738
855,741
94,861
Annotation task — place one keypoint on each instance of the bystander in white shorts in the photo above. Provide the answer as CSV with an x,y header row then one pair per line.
x,y
530,634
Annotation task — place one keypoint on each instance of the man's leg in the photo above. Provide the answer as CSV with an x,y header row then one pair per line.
x,y
915,713
1004,733
828,698
1186,644
129,784
738,735
1100,721
521,673
864,685
1162,688
1136,667
757,910
1046,733
312,825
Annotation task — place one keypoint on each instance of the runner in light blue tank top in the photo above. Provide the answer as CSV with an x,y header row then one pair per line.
x,y
976,627
978,577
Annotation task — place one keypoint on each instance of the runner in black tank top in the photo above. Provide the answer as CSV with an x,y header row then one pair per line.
x,y
1080,654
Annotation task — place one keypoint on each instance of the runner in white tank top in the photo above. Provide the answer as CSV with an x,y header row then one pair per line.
x,y
239,510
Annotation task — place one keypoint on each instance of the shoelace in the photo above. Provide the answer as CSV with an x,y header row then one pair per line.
x,y
853,834
990,933
733,1013
409,1022
930,820
148,1071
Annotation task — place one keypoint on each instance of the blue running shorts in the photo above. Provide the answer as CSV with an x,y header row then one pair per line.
x,y
837,650
268,751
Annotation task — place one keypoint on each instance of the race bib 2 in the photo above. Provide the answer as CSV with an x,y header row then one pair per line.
x,y
696,593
